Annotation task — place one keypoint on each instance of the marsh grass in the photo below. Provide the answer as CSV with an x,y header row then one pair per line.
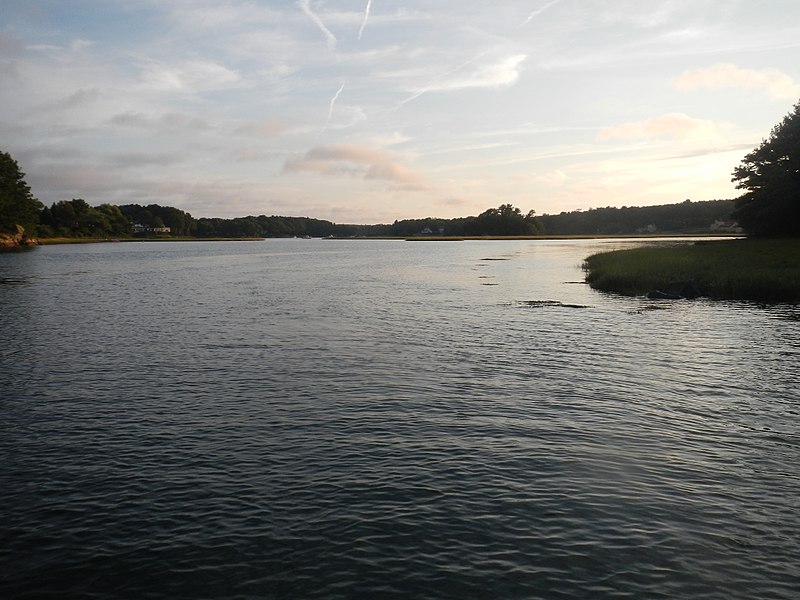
x,y
753,269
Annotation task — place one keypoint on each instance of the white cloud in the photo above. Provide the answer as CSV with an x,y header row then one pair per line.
x,y
726,75
305,6
359,161
334,99
78,44
538,11
502,73
677,126
366,18
189,77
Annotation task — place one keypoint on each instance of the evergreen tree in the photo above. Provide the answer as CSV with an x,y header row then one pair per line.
x,y
771,176
17,204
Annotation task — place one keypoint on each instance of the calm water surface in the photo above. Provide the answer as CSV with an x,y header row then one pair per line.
x,y
381,419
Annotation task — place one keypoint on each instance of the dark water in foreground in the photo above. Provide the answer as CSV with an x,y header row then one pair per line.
x,y
335,419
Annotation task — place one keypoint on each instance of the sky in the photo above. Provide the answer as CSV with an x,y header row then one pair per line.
x,y
367,111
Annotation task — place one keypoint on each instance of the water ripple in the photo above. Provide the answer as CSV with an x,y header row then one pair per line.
x,y
251,421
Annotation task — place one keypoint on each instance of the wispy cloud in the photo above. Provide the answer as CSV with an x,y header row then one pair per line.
x,y
358,161
81,97
334,99
366,18
539,11
502,73
726,75
189,77
128,160
672,125
168,122
305,6
267,128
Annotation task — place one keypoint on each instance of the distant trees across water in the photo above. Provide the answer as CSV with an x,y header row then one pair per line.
x,y
77,218
711,216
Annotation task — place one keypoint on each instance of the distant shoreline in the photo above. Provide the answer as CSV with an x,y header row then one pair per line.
x,y
68,240
632,236
421,238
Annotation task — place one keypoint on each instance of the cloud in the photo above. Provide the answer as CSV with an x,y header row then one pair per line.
x,y
726,75
80,98
359,161
267,128
366,18
165,122
454,201
333,100
78,44
9,45
502,73
141,159
9,70
192,76
499,74
539,11
346,116
305,6
676,126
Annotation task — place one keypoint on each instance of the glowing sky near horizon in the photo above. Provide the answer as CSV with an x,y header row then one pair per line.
x,y
366,111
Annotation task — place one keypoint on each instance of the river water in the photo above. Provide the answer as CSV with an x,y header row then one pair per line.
x,y
387,419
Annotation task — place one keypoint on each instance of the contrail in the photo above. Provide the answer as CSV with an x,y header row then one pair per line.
x,y
427,89
306,8
333,100
539,11
366,17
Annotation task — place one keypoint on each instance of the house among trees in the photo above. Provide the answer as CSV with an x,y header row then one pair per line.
x,y
139,228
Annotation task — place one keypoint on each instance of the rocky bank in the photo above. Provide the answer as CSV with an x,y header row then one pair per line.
x,y
17,239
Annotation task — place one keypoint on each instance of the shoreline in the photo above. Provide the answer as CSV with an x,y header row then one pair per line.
x,y
421,238
68,240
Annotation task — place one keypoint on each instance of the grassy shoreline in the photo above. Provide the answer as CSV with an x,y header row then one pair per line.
x,y
764,270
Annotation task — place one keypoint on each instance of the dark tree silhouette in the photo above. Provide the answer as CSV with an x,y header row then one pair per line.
x,y
503,220
17,204
771,176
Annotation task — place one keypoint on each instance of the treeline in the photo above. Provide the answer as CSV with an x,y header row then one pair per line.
x,y
686,217
76,218
503,220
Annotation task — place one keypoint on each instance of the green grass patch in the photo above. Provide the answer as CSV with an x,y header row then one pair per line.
x,y
749,269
